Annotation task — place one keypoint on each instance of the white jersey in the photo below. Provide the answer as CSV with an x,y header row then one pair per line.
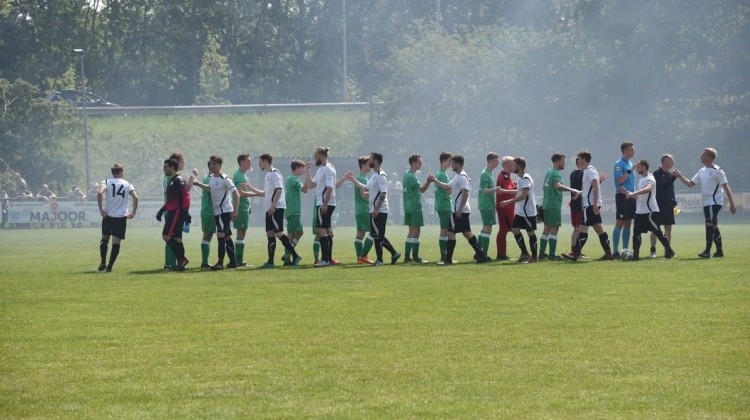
x,y
221,187
325,179
274,181
589,175
526,207
646,203
116,196
458,185
711,179
377,185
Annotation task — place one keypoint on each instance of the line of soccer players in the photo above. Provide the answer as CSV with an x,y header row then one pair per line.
x,y
508,203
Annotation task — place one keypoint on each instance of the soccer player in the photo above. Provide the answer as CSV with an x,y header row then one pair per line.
x,y
377,188
647,211
293,190
592,204
714,186
665,198
175,212
443,205
413,216
552,207
487,193
525,218
208,223
624,183
324,183
363,241
274,202
239,178
460,189
170,261
115,214
225,199
505,215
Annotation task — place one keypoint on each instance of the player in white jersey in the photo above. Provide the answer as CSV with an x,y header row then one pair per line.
x,y
324,183
114,214
525,210
460,189
647,211
714,187
274,203
377,189
225,199
592,203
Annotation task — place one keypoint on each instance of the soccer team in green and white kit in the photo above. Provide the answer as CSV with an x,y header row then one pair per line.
x,y
512,204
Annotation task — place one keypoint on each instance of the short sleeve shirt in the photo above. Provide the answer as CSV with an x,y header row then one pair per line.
x,y
325,179
589,175
711,179
361,205
486,200
238,178
621,167
207,206
665,187
527,206
221,193
116,196
552,197
458,185
442,198
646,203
412,195
293,196
378,186
273,182
576,182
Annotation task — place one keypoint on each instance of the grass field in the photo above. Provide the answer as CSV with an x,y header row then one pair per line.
x,y
653,339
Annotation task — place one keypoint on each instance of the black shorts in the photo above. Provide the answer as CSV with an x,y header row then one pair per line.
x,y
173,221
647,222
712,214
625,208
275,223
460,224
525,223
114,226
666,213
222,223
324,220
589,218
377,225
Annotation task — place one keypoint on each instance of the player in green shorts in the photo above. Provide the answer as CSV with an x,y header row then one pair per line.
x,y
243,212
362,241
443,205
413,215
552,207
487,192
293,188
208,222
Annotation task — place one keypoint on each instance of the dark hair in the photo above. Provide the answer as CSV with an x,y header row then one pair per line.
x,y
445,156
643,162
625,145
216,159
267,157
177,156
172,163
520,162
585,155
296,163
242,158
363,160
413,158
323,151
491,156
557,157
458,159
378,157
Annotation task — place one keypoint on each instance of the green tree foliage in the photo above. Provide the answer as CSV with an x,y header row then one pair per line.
x,y
214,74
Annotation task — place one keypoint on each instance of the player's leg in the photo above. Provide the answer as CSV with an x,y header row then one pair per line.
x,y
118,234
464,226
717,235
603,238
504,225
395,255
655,229
519,222
407,243
104,243
445,221
419,222
709,216
543,240
450,243
208,227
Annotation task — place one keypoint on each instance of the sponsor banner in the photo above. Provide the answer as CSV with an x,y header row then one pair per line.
x,y
32,212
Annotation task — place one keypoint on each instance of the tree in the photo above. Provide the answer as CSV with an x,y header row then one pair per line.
x,y
214,74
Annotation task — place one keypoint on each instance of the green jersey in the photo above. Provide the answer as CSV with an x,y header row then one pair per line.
x,y
239,178
293,196
361,206
442,198
552,198
412,195
207,206
486,200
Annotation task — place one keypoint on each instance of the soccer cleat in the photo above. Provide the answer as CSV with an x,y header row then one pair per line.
x,y
108,269
287,263
533,259
322,264
182,264
441,262
483,259
420,260
502,258
607,257
316,261
395,257
555,258
217,267
296,261
668,254
102,267
407,259
543,257
615,256
718,254
572,256
584,257
364,260
705,254
231,265
285,258
266,266
524,258
334,261
377,263
653,254
242,264
206,266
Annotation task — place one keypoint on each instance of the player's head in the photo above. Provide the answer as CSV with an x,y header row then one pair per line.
x,y
321,156
667,161
708,156
584,158
508,165
171,167
445,157
492,160
457,163
244,162
265,161
117,169
558,160
179,158
415,162
520,163
364,164
298,166
642,167
628,149
376,159
214,163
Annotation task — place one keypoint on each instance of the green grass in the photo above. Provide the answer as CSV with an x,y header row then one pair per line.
x,y
664,339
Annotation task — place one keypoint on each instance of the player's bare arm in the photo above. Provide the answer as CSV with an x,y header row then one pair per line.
x,y
728,192
135,205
